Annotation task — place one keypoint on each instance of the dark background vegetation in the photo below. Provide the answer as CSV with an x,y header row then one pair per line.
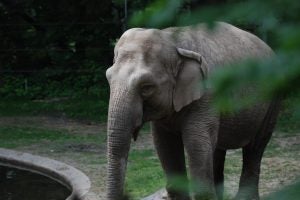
x,y
57,48
53,54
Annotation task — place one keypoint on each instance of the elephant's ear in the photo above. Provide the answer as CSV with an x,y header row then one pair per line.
x,y
188,86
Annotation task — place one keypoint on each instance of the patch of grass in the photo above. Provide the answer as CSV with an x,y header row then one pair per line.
x,y
233,163
88,108
144,174
283,144
13,137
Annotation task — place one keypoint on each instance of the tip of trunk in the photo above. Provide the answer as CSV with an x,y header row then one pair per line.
x,y
136,131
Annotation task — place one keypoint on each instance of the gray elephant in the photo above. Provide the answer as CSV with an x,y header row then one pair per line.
x,y
157,76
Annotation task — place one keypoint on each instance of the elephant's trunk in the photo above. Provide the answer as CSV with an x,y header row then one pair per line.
x,y
121,124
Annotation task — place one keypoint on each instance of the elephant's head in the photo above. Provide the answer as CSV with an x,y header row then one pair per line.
x,y
151,78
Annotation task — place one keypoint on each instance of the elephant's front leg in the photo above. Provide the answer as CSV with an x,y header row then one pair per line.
x,y
199,142
170,150
219,161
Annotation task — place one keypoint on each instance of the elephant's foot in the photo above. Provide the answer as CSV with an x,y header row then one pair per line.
x,y
205,197
163,195
175,196
246,196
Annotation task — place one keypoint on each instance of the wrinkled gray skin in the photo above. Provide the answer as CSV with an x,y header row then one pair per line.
x,y
156,76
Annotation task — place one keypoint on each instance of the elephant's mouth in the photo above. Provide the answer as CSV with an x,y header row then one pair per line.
x,y
136,131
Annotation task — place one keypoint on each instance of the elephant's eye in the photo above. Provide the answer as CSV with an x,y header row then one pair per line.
x,y
147,90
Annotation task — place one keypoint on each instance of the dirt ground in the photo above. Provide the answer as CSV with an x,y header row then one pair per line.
x,y
280,165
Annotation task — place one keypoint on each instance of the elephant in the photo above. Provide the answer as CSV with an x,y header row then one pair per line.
x,y
158,76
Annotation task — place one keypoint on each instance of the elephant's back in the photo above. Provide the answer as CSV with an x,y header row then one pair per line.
x,y
231,44
225,44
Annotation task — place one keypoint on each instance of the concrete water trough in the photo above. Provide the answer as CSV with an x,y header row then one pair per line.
x,y
76,181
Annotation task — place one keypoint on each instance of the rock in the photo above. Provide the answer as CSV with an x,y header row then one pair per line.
x,y
159,195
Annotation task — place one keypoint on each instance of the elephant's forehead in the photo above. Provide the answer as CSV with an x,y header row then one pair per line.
x,y
136,65
141,45
144,40
139,54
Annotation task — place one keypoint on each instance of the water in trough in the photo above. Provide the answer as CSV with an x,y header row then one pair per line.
x,y
17,184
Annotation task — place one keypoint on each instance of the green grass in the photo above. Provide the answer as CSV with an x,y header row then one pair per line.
x,y
13,137
86,108
144,174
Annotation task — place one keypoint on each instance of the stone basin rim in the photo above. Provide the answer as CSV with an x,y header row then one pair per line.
x,y
75,180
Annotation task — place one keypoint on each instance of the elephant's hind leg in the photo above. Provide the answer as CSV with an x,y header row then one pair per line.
x,y
249,180
170,151
219,160
252,156
253,152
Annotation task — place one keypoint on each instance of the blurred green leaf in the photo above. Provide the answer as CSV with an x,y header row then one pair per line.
x,y
291,192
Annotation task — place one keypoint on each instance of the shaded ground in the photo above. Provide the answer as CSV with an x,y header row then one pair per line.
x,y
280,166
55,123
